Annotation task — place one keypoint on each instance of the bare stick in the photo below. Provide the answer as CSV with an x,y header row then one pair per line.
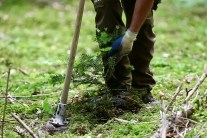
x,y
7,121
200,81
38,95
24,125
124,121
23,71
14,100
174,97
121,120
5,104
164,121
11,99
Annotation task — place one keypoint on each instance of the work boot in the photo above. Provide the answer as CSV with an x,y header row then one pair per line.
x,y
121,98
118,102
149,99
118,97
145,95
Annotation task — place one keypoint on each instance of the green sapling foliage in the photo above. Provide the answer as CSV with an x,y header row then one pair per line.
x,y
91,71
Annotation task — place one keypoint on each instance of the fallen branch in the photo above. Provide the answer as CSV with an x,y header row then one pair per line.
x,y
200,81
179,119
24,125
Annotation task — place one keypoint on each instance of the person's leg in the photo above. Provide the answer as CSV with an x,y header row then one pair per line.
x,y
108,16
142,54
143,49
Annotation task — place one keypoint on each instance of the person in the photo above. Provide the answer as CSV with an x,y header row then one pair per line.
x,y
135,47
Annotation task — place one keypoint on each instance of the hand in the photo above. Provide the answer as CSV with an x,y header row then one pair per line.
x,y
123,45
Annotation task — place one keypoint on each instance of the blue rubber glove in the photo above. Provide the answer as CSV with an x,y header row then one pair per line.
x,y
123,45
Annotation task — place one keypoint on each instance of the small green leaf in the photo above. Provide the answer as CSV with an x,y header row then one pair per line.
x,y
46,106
106,49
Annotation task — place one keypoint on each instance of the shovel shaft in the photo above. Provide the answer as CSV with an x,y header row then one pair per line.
x,y
68,76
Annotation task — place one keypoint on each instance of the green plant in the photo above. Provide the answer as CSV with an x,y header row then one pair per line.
x,y
39,42
46,106
104,38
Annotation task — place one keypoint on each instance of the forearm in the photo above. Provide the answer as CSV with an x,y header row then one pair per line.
x,y
141,10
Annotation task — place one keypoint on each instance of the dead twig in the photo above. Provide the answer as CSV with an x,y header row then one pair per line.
x,y
14,100
164,121
24,125
20,131
6,100
125,121
200,81
121,120
23,71
179,119
38,95
6,120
